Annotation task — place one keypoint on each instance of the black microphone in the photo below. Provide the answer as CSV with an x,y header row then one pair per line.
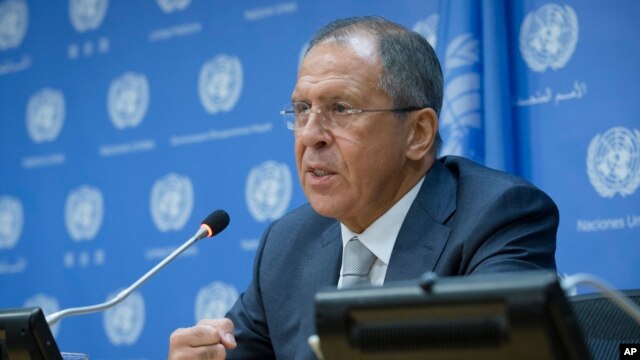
x,y
211,225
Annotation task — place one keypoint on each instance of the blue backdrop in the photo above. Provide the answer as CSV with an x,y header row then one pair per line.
x,y
124,123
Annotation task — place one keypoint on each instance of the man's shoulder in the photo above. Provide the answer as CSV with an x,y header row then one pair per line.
x,y
480,185
468,172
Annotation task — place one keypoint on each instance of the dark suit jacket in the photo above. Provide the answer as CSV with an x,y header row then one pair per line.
x,y
466,219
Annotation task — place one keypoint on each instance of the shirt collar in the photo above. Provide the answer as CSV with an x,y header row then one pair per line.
x,y
380,236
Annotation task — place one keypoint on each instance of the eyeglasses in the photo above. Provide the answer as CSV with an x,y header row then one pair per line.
x,y
335,116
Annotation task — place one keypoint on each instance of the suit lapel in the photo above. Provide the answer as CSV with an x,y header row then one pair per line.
x,y
325,266
323,261
423,234
322,270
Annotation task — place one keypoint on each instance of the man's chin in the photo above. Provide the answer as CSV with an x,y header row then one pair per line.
x,y
323,206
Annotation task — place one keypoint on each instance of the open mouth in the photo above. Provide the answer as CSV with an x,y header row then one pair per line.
x,y
320,173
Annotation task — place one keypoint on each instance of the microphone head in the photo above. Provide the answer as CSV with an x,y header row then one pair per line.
x,y
216,222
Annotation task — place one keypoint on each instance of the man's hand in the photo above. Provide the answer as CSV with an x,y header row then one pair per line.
x,y
209,339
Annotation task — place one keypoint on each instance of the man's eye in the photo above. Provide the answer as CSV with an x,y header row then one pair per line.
x,y
342,109
300,108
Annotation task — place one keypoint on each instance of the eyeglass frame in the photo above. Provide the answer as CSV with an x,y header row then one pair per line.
x,y
348,113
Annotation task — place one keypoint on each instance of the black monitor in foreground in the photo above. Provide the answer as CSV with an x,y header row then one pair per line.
x,y
25,335
518,316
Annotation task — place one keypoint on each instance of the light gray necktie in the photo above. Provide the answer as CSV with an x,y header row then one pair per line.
x,y
357,263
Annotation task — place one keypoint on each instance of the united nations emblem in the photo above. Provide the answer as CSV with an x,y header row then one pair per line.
x,y
87,14
220,83
171,202
45,115
48,304
83,212
128,100
169,6
214,300
14,18
613,162
548,37
461,115
11,221
428,28
268,190
124,322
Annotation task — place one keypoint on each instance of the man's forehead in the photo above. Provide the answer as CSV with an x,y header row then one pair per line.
x,y
365,45
337,60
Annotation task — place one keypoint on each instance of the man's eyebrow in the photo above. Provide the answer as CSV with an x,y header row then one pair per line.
x,y
334,97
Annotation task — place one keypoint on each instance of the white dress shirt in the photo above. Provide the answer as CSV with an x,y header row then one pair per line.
x,y
380,236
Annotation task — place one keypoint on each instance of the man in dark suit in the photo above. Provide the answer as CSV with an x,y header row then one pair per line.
x,y
365,117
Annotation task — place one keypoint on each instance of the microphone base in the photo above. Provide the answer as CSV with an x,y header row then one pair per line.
x,y
24,333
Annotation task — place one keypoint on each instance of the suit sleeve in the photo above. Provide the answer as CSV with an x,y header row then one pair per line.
x,y
249,318
516,231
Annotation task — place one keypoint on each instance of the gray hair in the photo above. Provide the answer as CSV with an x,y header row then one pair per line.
x,y
411,73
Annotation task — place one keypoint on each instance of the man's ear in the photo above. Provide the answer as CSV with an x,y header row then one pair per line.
x,y
422,135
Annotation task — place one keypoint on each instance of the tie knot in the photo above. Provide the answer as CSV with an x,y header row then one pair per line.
x,y
358,260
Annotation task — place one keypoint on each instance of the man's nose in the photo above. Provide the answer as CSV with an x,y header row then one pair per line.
x,y
314,133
